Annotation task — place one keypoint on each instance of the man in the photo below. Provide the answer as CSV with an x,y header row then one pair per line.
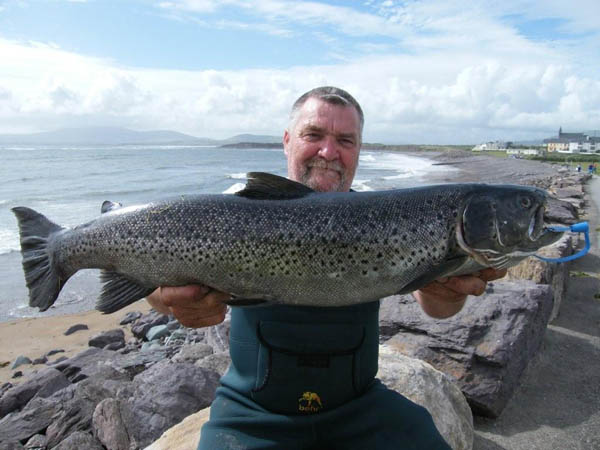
x,y
304,377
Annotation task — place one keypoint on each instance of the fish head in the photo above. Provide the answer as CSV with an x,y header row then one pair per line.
x,y
503,222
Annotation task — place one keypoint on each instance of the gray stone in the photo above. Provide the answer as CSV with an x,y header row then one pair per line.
x,y
542,272
432,389
20,361
130,317
217,336
79,440
157,332
193,352
40,360
77,327
42,384
11,446
54,352
219,362
17,374
559,211
101,340
37,442
162,396
141,326
485,348
108,425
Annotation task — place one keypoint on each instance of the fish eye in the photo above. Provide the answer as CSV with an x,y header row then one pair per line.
x,y
525,202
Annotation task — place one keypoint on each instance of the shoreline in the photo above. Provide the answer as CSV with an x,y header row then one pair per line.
x,y
34,337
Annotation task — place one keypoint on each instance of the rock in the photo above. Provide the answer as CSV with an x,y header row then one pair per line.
x,y
20,361
42,384
108,426
217,336
5,387
157,332
130,317
432,389
33,419
37,442
193,352
17,374
40,360
219,362
57,360
114,346
162,396
11,446
484,348
78,327
542,272
574,191
101,340
54,352
141,326
559,211
183,436
78,441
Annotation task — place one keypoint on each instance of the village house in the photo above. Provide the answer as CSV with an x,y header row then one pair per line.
x,y
573,143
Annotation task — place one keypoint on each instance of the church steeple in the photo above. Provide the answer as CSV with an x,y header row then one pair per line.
x,y
559,132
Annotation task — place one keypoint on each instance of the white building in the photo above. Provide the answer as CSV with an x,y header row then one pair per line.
x,y
526,151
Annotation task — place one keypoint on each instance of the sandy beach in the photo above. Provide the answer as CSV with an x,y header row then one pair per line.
x,y
36,337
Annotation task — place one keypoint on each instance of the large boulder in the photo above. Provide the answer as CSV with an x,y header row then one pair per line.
x,y
542,272
432,389
183,436
485,348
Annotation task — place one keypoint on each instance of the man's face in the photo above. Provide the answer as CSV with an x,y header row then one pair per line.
x,y
322,148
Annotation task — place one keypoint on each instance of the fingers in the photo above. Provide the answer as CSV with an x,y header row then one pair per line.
x,y
446,296
194,306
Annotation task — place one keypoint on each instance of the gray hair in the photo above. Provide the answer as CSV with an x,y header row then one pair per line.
x,y
328,94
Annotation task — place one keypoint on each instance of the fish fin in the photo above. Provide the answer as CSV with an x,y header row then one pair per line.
x,y
42,274
440,271
107,206
266,186
239,301
118,291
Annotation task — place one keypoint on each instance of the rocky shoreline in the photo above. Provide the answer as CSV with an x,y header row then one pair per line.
x,y
125,392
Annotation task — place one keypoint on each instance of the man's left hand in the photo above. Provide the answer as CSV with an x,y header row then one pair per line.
x,y
445,297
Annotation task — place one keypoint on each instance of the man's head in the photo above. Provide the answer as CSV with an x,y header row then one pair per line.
x,y
323,139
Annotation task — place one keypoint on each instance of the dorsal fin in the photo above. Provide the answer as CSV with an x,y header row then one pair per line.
x,y
107,206
266,186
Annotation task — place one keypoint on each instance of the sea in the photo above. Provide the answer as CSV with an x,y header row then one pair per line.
x,y
68,184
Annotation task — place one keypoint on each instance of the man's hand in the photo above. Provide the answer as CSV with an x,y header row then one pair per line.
x,y
194,306
445,297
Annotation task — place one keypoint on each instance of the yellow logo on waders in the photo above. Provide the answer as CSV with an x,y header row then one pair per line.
x,y
310,402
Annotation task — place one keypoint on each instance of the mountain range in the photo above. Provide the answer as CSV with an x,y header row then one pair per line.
x,y
124,136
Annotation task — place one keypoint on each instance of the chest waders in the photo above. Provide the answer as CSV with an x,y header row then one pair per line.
x,y
304,378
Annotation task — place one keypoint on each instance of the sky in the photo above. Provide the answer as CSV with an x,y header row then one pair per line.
x,y
424,71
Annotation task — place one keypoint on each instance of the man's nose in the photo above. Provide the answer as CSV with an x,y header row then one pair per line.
x,y
329,149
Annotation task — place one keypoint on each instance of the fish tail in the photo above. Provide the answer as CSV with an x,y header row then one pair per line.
x,y
42,274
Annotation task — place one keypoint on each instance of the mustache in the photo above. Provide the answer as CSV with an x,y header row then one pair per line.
x,y
321,163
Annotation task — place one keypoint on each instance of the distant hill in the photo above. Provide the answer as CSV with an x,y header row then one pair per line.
x,y
123,136
252,138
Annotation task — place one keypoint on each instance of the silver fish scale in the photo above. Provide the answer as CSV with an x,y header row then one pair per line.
x,y
322,249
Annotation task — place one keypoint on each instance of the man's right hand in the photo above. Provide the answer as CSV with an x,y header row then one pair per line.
x,y
194,306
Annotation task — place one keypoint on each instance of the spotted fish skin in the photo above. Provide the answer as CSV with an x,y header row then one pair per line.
x,y
276,241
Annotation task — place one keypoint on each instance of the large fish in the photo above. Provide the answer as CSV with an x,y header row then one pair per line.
x,y
279,241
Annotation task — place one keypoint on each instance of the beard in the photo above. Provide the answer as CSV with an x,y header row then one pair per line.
x,y
315,165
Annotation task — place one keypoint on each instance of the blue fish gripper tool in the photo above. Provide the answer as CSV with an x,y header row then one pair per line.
x,y
581,227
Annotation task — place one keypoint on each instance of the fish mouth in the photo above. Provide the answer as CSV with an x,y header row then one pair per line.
x,y
536,225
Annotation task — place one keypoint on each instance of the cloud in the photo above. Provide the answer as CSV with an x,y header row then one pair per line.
x,y
443,74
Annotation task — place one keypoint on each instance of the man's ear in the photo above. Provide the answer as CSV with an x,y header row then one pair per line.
x,y
286,141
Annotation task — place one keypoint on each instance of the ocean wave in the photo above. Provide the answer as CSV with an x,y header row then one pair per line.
x,y
237,176
361,185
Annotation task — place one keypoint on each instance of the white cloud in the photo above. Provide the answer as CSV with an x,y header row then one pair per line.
x,y
450,74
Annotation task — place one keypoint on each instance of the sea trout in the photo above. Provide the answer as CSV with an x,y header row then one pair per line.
x,y
278,241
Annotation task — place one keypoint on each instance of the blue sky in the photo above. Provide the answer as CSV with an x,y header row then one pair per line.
x,y
424,71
